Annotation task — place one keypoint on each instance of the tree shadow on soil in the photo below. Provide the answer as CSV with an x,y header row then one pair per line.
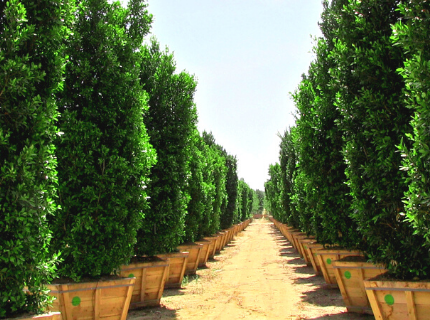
x,y
305,269
150,313
174,292
287,253
324,296
343,315
296,261
311,279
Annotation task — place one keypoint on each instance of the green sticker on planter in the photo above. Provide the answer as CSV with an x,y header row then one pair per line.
x,y
328,261
389,299
305,247
347,274
76,301
131,275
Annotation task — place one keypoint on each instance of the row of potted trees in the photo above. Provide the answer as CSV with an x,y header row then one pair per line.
x,y
366,287
142,281
101,161
353,172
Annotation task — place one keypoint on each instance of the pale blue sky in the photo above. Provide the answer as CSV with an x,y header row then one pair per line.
x,y
247,56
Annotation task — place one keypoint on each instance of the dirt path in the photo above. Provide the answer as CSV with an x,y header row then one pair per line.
x,y
257,276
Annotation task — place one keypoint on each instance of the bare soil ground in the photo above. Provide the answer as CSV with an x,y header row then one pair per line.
x,y
259,275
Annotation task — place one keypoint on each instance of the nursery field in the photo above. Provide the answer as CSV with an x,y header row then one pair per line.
x,y
259,275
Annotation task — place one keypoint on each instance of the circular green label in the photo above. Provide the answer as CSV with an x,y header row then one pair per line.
x,y
328,261
347,274
389,299
305,247
131,275
76,301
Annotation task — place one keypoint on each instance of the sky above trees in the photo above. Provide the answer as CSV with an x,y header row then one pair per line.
x,y
247,57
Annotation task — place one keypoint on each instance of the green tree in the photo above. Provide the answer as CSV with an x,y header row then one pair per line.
x,y
288,172
374,121
171,121
228,217
411,34
104,155
321,160
32,63
198,189
260,198
219,172
273,192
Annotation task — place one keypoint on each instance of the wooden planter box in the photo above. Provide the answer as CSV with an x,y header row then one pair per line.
x,y
194,250
204,254
326,258
151,274
177,265
312,249
288,233
220,245
398,300
212,247
293,236
226,238
299,246
106,298
303,243
350,274
236,229
283,229
234,232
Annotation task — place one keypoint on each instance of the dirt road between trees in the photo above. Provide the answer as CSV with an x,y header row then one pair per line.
x,y
259,275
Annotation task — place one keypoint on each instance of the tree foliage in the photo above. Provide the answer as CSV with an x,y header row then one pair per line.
x,y
374,120
411,34
31,72
170,122
103,153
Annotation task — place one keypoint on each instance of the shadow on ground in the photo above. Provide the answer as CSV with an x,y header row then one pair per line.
x,y
152,313
352,316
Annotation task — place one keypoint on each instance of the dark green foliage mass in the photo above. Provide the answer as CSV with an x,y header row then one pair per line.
x,y
171,122
228,217
219,176
374,121
288,172
319,145
31,72
103,153
412,35
273,192
198,189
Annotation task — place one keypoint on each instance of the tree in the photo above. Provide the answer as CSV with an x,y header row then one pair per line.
x,y
104,155
260,200
31,72
288,172
411,34
227,216
374,121
198,189
171,122
219,173
273,191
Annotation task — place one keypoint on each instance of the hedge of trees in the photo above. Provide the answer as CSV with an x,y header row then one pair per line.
x,y
354,169
100,156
